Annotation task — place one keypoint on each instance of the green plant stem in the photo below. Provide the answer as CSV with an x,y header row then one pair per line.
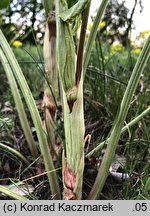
x,y
52,177
15,153
93,33
19,105
72,97
123,130
116,129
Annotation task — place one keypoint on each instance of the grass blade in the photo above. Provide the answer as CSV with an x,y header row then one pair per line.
x,y
15,153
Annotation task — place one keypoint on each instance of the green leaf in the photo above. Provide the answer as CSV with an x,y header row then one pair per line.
x,y
71,3
48,6
48,162
147,185
11,194
4,4
15,153
19,106
93,33
74,11
120,119
65,59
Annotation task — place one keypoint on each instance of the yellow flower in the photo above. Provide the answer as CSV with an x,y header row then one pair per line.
x,y
145,33
136,51
102,24
17,43
117,47
142,37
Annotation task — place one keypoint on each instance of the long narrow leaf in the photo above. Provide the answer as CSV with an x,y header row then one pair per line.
x,y
75,10
65,55
93,33
80,53
19,105
116,129
15,153
11,194
34,114
48,6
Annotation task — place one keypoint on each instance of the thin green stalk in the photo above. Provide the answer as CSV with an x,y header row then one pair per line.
x,y
93,34
116,129
11,194
123,130
103,64
19,105
15,153
52,177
